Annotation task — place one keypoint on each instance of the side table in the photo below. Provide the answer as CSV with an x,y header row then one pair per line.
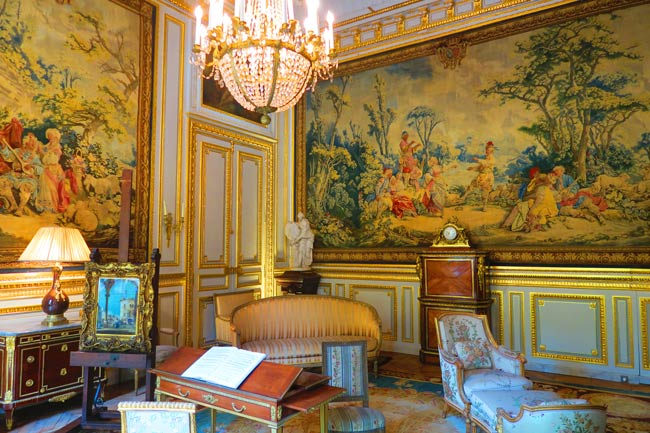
x,y
35,363
299,282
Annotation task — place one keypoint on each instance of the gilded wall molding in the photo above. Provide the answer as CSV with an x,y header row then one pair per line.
x,y
391,292
349,271
644,306
598,355
570,278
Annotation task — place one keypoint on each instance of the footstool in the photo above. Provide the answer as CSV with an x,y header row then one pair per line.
x,y
528,411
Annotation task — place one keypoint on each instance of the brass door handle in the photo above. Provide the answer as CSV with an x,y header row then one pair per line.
x,y
237,270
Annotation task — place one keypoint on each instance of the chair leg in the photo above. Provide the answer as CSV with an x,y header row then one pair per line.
x,y
135,380
375,367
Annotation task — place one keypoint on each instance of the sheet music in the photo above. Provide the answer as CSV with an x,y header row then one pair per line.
x,y
225,366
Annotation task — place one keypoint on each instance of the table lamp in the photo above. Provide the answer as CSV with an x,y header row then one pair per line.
x,y
56,244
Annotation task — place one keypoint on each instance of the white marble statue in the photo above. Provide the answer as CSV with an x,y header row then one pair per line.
x,y
301,239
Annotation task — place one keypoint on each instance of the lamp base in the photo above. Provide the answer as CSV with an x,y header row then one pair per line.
x,y
55,302
54,320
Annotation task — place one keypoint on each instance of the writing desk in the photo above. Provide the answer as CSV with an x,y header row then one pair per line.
x,y
271,395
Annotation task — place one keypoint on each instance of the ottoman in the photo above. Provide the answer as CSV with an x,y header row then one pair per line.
x,y
528,411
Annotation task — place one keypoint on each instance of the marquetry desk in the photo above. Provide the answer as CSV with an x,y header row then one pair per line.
x,y
271,395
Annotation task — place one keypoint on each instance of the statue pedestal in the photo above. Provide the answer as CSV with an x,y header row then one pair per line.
x,y
299,282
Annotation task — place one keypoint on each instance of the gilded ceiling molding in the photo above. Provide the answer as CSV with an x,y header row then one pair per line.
x,y
415,21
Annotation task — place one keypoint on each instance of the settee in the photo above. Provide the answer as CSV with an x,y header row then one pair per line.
x,y
291,329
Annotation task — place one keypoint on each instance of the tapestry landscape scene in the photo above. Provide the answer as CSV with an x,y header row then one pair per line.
x,y
69,116
535,139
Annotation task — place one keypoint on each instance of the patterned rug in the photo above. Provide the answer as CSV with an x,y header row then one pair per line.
x,y
412,406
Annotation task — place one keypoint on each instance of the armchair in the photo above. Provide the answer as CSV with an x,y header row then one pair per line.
x,y
471,361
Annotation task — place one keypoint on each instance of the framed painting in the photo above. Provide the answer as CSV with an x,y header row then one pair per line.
x,y
534,134
75,112
219,98
117,308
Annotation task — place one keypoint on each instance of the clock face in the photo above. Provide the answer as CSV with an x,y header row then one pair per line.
x,y
450,233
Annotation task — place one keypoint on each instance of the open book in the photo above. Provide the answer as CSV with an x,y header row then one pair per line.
x,y
225,366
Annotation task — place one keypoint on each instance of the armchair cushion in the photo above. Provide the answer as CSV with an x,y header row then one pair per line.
x,y
488,379
485,404
474,354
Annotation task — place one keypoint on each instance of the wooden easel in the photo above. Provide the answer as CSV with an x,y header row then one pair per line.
x,y
93,415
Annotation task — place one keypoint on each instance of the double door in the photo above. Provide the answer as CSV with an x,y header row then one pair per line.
x,y
232,219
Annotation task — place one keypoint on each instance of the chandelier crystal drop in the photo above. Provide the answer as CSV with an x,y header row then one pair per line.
x,y
262,54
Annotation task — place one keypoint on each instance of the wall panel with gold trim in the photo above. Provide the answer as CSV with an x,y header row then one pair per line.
x,y
391,289
582,321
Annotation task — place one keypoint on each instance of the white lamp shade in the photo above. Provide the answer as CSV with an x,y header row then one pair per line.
x,y
56,244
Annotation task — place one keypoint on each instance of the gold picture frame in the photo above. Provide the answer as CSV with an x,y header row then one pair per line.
x,y
118,308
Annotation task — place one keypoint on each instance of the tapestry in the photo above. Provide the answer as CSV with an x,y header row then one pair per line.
x,y
76,107
537,139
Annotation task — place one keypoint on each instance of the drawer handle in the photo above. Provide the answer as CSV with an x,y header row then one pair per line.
x,y
63,372
29,382
243,408
209,398
30,359
64,348
183,394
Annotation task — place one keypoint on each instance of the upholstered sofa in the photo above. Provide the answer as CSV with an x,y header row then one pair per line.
x,y
291,329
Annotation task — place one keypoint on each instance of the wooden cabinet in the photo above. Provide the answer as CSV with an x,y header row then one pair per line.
x,y
451,279
35,363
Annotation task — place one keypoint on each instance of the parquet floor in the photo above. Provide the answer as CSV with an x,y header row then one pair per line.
x,y
65,417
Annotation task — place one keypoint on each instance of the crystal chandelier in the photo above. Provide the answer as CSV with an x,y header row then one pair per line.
x,y
261,54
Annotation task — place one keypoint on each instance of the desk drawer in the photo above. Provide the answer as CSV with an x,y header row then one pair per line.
x,y
222,400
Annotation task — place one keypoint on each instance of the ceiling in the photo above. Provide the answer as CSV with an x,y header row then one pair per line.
x,y
344,10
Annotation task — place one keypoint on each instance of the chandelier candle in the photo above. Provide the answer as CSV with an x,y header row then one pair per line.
x,y
262,55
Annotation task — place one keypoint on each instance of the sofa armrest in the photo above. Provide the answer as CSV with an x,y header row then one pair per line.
x,y
561,417
235,336
452,381
223,332
508,361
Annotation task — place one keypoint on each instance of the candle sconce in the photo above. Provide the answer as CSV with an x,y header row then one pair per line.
x,y
168,221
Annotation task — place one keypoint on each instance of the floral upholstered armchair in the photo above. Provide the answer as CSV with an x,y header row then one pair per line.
x,y
471,361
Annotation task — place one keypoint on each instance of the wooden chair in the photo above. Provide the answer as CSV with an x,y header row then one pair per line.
x,y
157,416
347,365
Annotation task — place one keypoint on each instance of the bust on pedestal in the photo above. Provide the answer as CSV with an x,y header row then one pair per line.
x,y
299,278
